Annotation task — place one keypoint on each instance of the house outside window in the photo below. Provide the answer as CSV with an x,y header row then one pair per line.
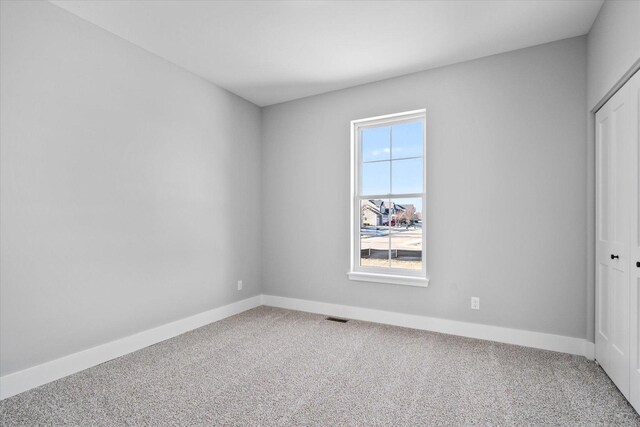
x,y
388,199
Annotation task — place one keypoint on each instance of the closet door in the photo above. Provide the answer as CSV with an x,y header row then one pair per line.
x,y
634,259
613,231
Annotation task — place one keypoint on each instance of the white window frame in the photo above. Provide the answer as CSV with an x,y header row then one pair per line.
x,y
378,274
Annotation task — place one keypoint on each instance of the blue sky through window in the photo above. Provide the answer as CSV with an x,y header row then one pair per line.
x,y
407,140
376,144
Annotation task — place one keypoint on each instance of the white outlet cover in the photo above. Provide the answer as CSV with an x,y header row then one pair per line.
x,y
239,285
475,303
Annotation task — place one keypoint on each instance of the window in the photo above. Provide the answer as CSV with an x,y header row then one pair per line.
x,y
388,199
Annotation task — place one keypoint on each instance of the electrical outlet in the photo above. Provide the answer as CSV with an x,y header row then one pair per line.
x,y
239,285
475,303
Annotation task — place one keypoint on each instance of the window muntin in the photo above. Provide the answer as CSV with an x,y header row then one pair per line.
x,y
388,189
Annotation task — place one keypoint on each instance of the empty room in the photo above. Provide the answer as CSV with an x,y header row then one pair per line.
x,y
319,213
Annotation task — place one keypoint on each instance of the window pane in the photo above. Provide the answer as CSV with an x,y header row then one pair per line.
x,y
376,178
407,176
406,233
375,143
374,233
407,140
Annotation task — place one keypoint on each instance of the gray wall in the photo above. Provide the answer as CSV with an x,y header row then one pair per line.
x,y
129,188
506,168
613,46
132,196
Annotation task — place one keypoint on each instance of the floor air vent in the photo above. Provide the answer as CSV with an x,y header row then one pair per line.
x,y
336,319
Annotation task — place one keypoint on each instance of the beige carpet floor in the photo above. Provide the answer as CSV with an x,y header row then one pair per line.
x,y
274,367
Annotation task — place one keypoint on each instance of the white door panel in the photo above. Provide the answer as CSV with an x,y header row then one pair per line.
x,y
616,134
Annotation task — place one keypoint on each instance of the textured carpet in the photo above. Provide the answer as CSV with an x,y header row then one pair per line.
x,y
269,366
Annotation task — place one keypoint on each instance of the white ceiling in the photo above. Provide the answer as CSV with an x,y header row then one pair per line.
x,y
274,51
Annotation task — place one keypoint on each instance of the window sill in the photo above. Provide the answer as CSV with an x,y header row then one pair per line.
x,y
421,282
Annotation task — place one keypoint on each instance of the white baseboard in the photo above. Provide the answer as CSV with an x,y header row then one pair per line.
x,y
29,378
589,350
524,338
